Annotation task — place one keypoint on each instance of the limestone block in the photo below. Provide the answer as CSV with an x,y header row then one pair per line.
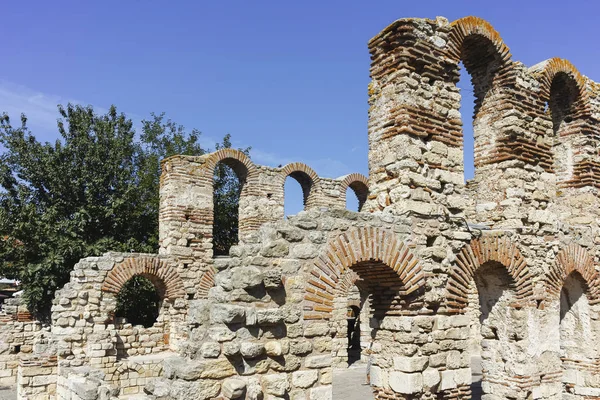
x,y
305,379
210,350
273,349
448,381
396,324
304,251
227,314
405,383
463,376
231,348
199,312
233,388
269,316
254,389
276,384
313,329
246,277
272,279
300,347
410,364
379,377
326,376
320,361
277,248
221,334
431,379
251,350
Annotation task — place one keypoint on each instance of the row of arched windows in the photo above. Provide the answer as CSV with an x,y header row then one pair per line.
x,y
229,182
485,65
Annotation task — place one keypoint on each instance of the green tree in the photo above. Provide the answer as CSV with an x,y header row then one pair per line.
x,y
93,190
227,189
138,301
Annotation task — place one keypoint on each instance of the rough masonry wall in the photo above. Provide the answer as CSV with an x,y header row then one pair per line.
x,y
485,289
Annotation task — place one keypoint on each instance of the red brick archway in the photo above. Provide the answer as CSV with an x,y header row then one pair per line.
x,y
357,183
574,258
306,177
328,279
165,278
472,256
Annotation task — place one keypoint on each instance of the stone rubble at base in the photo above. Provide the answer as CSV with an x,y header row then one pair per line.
x,y
433,292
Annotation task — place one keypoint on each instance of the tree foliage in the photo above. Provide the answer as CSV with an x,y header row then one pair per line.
x,y
138,302
227,189
95,189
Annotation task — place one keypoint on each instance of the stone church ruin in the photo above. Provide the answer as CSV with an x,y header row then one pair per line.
x,y
488,289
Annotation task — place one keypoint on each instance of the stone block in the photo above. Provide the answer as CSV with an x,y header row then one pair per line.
x,y
273,349
233,388
246,277
251,350
276,384
410,364
210,350
405,383
227,314
305,379
319,361
431,379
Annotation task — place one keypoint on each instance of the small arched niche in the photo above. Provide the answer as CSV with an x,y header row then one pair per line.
x,y
563,102
575,322
489,309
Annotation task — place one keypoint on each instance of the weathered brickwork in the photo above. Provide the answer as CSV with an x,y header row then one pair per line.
x,y
488,289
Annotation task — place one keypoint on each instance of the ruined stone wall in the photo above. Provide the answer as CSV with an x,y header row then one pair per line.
x,y
489,288
19,334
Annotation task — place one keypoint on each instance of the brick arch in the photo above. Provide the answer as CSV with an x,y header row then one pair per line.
x,y
465,27
478,252
326,280
236,160
164,277
573,258
359,184
548,70
129,366
306,177
346,282
484,54
207,282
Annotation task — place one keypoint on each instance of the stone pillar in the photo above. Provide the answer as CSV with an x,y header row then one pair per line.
x,y
415,136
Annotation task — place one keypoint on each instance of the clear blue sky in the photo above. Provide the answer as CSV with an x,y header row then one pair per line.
x,y
287,78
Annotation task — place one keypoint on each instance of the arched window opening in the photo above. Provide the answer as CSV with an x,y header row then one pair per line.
x,y
352,201
575,329
356,196
139,301
229,179
467,107
478,69
562,103
490,321
296,194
